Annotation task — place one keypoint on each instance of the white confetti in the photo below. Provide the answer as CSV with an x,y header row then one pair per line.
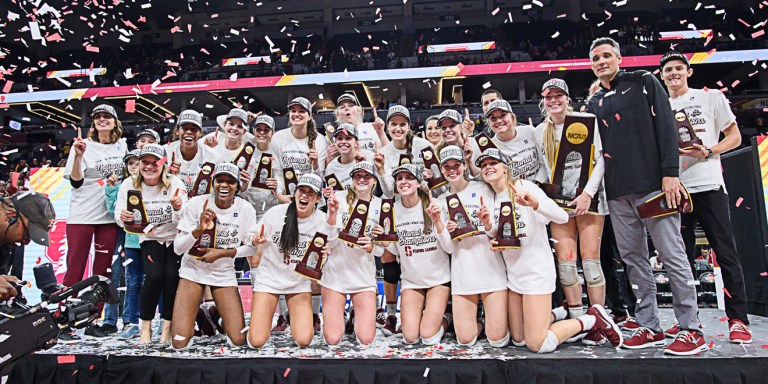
x,y
179,338
556,34
127,262
487,85
426,372
495,11
244,330
537,2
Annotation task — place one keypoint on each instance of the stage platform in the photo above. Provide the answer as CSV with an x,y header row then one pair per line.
x,y
210,360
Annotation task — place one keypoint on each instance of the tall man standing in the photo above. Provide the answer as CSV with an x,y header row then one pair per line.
x,y
641,158
700,170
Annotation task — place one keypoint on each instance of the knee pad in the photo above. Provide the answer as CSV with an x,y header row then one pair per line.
x,y
471,343
593,273
189,345
518,344
569,274
500,343
391,272
550,343
434,339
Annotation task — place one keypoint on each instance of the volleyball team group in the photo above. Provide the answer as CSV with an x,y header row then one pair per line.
x,y
444,279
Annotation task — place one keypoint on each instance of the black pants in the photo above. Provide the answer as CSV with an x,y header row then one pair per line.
x,y
161,276
618,295
710,209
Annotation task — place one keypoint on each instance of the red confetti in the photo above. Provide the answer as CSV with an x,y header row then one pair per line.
x,y
763,274
287,371
130,105
765,346
727,293
723,319
7,86
618,117
91,48
758,33
101,182
739,201
607,155
65,359
711,344
150,259
39,259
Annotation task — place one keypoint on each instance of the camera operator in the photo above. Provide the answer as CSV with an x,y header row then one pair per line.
x,y
23,217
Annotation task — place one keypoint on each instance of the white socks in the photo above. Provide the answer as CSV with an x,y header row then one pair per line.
x,y
282,306
316,300
587,322
392,309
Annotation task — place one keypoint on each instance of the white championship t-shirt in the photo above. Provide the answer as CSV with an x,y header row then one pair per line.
x,y
276,271
291,152
392,160
367,137
710,115
350,269
234,226
341,171
261,199
530,268
423,262
157,204
189,170
475,268
524,154
88,204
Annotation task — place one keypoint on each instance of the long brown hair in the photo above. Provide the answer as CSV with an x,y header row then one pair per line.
x,y
550,139
424,197
114,135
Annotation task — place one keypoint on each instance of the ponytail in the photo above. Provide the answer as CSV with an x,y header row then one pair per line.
x,y
289,236
311,133
409,142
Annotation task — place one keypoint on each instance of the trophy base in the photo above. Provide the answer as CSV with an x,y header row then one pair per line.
x,y
657,207
554,192
308,272
510,243
690,144
136,229
262,186
436,183
386,238
347,238
195,252
466,232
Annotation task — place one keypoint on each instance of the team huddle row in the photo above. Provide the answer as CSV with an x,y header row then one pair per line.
x,y
464,217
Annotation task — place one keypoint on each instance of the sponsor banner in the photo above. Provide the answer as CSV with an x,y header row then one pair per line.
x,y
650,61
683,35
76,73
245,61
461,47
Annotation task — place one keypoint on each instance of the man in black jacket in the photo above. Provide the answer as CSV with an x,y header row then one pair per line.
x,y
641,159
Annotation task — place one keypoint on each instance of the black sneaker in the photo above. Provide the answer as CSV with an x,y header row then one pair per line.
x,y
68,336
100,331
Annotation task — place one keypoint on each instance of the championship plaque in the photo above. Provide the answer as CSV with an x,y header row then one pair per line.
x,y
432,163
207,240
203,183
356,223
290,180
244,157
311,263
574,160
484,142
656,206
405,159
332,181
507,235
458,214
686,136
387,221
136,207
263,172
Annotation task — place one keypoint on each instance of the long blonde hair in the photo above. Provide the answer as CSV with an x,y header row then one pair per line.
x,y
550,139
114,135
165,179
424,197
352,194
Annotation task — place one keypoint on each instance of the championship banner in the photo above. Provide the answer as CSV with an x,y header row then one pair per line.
x,y
461,47
683,35
76,73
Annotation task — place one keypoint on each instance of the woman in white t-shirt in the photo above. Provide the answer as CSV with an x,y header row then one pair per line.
x,y
425,266
162,195
347,143
299,147
351,269
371,136
405,144
230,136
530,269
188,156
91,161
209,258
518,142
282,238
477,272
453,133
261,199
580,236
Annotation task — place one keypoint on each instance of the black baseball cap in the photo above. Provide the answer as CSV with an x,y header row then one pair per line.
x,y
39,213
672,56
